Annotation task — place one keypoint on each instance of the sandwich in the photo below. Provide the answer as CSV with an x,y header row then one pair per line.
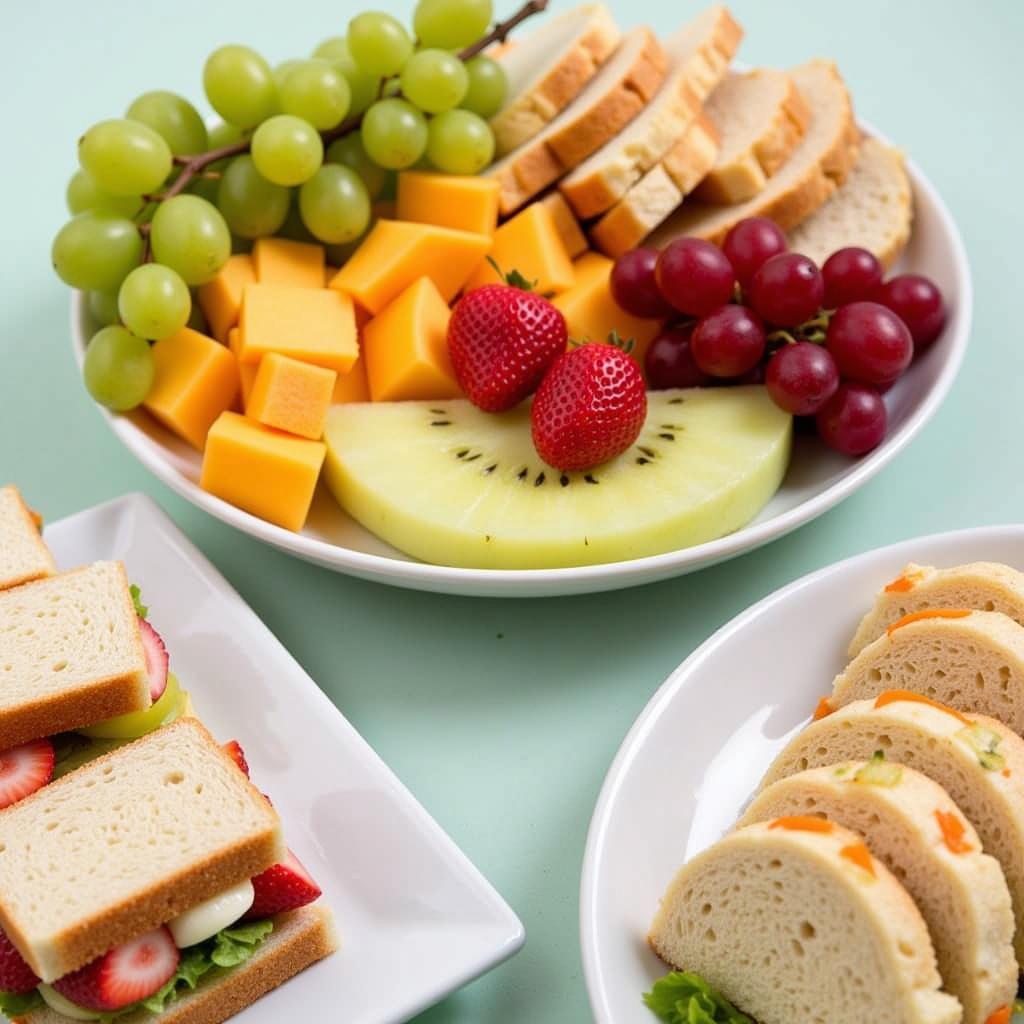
x,y
152,882
23,555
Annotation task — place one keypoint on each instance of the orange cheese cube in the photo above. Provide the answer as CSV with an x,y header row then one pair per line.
x,y
313,325
260,470
566,224
246,371
282,261
395,253
591,313
221,298
529,243
291,396
352,386
449,200
406,346
196,380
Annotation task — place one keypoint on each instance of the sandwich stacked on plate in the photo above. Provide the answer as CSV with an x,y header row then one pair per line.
x,y
879,871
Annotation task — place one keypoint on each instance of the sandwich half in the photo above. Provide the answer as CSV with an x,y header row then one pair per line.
x,y
23,555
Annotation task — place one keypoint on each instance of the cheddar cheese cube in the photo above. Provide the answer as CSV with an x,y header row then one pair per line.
x,y
396,253
282,261
313,325
449,200
530,244
291,396
221,298
260,470
566,224
196,379
406,346
352,386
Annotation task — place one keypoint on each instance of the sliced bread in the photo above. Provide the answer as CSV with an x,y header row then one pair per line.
x,y
566,224
794,925
70,653
547,70
815,169
874,209
23,555
612,98
972,661
985,586
962,895
761,116
126,843
699,54
978,761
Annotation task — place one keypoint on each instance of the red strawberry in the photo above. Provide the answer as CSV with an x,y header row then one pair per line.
x,y
284,886
16,976
123,976
502,341
23,770
234,750
157,659
590,407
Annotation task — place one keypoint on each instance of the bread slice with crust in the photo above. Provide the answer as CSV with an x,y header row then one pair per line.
x,y
984,586
547,70
962,894
790,928
761,116
23,555
699,54
814,170
978,761
126,843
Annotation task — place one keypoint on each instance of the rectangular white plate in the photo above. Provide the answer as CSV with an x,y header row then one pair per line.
x,y
416,918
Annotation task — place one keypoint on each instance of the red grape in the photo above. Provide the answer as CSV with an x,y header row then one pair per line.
x,y
787,290
917,301
801,378
634,287
669,361
853,420
729,342
850,274
750,244
694,276
869,343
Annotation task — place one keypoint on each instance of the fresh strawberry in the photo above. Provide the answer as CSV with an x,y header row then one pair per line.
x,y
284,886
123,976
157,659
502,340
589,408
23,770
234,750
16,976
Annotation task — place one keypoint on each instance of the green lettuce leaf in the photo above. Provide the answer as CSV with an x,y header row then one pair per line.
x,y
12,1005
233,946
141,609
685,998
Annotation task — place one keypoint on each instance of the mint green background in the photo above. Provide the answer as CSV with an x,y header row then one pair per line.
x,y
502,717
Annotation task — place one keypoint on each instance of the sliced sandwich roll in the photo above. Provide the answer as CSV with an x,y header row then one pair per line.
x,y
794,920
23,554
907,820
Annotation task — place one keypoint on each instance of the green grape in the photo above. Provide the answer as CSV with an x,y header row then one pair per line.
x,y
189,235
394,133
287,150
124,158
488,86
118,368
84,194
451,24
240,86
96,251
138,723
460,142
281,71
363,87
252,206
154,302
334,204
333,49
317,92
350,152
379,43
174,119
103,308
224,134
205,188
434,80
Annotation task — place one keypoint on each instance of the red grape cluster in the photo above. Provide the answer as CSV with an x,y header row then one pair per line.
x,y
827,343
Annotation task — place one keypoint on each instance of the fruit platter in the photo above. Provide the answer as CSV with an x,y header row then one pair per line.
x,y
511,305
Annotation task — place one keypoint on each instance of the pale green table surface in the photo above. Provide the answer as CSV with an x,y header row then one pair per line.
x,y
502,717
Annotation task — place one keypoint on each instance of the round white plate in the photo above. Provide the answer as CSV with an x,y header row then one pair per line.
x,y
702,744
817,479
